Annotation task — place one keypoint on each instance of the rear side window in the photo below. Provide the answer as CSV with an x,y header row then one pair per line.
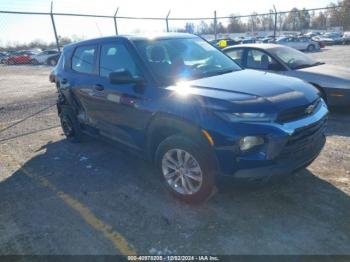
x,y
236,55
83,59
115,57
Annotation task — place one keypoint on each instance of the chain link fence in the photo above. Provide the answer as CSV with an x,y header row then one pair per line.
x,y
28,30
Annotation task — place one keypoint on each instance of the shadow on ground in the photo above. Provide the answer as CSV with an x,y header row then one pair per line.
x,y
338,119
299,215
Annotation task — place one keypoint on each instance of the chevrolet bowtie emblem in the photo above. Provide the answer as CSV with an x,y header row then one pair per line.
x,y
310,109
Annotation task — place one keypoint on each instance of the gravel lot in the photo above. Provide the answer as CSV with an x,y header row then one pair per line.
x,y
97,198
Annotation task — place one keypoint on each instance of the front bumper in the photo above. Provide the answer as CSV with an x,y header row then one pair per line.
x,y
289,147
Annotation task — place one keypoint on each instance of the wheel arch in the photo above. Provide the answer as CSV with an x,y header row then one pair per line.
x,y
321,90
163,126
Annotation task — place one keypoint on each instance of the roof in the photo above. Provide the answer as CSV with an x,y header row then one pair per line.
x,y
260,46
153,36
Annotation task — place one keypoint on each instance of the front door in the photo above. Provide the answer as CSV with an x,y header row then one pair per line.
x,y
259,60
119,115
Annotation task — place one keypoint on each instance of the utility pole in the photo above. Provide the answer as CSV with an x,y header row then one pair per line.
x,y
115,21
275,27
215,26
167,21
54,28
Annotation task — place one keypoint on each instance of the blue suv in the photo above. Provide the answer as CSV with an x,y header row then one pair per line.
x,y
189,108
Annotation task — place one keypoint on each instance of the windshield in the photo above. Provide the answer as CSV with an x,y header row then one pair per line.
x,y
177,59
293,58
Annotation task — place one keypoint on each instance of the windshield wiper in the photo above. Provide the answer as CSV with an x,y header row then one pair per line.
x,y
216,73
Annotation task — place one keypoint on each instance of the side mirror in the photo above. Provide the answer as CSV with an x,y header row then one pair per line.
x,y
123,76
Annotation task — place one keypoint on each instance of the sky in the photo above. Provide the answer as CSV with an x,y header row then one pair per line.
x,y
25,28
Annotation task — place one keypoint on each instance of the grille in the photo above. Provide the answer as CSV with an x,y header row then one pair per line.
x,y
297,112
306,141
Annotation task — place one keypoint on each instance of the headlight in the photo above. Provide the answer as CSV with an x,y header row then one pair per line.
x,y
248,117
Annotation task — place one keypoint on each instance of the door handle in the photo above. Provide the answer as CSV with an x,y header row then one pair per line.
x,y
99,87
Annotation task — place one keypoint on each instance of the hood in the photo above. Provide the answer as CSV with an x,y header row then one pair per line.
x,y
325,75
329,70
251,88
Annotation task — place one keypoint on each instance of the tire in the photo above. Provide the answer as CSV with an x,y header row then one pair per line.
x,y
199,165
34,62
311,48
52,62
70,125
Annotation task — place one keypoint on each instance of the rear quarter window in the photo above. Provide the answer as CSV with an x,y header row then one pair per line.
x,y
83,59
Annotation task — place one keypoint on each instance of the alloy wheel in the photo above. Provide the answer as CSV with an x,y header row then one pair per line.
x,y
182,171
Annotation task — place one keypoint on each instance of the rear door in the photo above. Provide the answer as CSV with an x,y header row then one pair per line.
x,y
82,79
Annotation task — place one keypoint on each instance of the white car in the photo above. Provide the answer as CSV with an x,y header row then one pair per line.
x,y
346,38
299,43
42,57
332,38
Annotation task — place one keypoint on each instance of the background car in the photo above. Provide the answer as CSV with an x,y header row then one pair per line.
x,y
6,55
332,38
3,56
312,34
346,38
224,42
44,56
299,43
53,59
248,40
20,57
333,82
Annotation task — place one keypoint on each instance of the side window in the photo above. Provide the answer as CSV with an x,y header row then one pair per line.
x,y
236,55
115,57
259,60
83,59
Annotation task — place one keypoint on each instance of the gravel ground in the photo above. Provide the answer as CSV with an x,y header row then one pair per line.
x,y
96,198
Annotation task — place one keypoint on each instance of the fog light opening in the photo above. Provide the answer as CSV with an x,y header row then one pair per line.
x,y
249,142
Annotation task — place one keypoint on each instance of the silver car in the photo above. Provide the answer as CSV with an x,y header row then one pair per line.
x,y
299,43
333,82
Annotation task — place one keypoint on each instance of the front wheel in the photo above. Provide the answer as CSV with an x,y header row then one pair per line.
x,y
186,169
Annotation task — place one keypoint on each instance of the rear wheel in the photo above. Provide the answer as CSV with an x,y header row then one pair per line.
x,y
70,125
52,62
34,62
311,48
186,169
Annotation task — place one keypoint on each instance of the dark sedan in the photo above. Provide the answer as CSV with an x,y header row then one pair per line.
x,y
333,82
